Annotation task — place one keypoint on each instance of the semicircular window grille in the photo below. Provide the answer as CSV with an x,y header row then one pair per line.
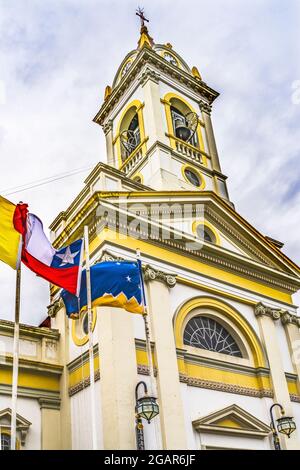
x,y
206,333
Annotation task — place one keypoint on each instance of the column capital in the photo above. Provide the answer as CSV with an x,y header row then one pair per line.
x,y
205,107
55,307
148,74
277,314
289,318
49,403
151,274
107,127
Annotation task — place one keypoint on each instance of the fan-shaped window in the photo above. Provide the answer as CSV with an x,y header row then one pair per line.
x,y
185,125
204,233
205,333
130,137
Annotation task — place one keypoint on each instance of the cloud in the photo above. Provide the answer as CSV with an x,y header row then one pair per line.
x,y
56,57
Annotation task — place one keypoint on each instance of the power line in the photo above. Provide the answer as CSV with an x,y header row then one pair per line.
x,y
43,181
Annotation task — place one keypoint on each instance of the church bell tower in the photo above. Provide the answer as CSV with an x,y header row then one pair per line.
x,y
156,117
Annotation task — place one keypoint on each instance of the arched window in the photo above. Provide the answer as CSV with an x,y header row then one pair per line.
x,y
182,126
5,441
204,233
206,333
130,137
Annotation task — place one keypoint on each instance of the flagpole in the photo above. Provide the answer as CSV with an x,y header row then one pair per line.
x,y
91,347
15,361
148,347
147,326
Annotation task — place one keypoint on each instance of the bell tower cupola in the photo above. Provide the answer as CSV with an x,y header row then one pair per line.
x,y
156,117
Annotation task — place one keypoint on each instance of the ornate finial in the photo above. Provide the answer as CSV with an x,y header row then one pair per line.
x,y
145,39
107,92
196,73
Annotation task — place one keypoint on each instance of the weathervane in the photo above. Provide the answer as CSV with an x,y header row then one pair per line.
x,y
140,12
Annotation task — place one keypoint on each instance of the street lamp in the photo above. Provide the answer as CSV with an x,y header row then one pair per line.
x,y
285,425
147,408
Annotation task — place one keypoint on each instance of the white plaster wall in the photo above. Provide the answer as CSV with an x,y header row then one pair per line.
x,y
29,409
200,402
81,419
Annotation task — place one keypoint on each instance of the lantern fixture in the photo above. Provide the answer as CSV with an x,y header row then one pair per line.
x,y
146,406
285,425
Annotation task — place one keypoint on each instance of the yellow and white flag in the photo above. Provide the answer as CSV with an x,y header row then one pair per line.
x,y
10,238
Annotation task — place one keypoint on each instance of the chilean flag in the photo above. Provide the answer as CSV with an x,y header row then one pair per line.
x,y
60,267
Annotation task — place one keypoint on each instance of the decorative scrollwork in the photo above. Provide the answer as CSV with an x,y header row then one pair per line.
x,y
129,141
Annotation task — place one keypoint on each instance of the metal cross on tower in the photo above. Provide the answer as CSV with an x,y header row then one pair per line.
x,y
140,12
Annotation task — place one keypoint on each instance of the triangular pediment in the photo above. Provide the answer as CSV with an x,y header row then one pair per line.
x,y
22,423
5,416
236,237
232,420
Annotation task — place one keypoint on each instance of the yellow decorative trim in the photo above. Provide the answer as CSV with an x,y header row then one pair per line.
x,y
196,73
167,103
76,324
83,372
210,227
33,380
227,311
107,92
138,105
201,178
129,61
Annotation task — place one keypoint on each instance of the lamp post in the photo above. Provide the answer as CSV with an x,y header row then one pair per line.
x,y
147,408
285,425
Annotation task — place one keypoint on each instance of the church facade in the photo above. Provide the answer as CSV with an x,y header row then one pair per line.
x,y
224,329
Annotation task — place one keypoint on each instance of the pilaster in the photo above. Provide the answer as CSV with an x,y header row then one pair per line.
x,y
168,384
118,377
154,124
108,132
206,111
50,424
266,318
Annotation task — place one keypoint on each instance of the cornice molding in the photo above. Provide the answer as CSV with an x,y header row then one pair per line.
x,y
236,234
7,328
277,314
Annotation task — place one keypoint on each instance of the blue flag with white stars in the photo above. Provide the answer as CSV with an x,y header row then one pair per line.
x,y
114,284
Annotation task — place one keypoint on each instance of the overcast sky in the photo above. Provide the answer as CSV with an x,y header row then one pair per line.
x,y
57,56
